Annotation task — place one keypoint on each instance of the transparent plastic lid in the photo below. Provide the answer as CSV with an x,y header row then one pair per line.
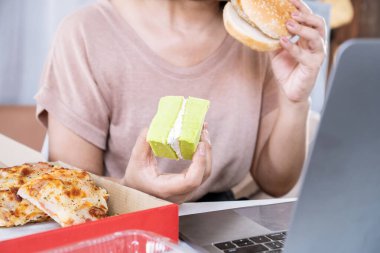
x,y
130,241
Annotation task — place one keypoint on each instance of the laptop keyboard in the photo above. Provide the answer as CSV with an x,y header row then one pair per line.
x,y
272,243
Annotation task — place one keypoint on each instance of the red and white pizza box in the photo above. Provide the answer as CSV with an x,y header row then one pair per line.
x,y
128,209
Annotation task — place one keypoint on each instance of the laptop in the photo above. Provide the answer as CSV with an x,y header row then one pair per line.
x,y
338,209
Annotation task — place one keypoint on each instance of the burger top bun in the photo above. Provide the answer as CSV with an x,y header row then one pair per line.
x,y
270,16
245,33
258,24
238,8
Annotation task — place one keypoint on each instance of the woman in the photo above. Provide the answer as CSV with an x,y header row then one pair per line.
x,y
112,61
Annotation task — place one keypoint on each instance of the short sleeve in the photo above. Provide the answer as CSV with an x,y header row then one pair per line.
x,y
270,91
69,88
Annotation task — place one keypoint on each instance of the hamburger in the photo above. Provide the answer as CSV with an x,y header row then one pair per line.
x,y
258,24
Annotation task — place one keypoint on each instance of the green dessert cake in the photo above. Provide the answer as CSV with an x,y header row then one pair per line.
x,y
176,128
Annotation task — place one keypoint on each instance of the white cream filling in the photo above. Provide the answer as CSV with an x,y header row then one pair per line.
x,y
175,132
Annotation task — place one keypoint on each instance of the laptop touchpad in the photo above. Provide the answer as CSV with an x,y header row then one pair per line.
x,y
206,228
274,217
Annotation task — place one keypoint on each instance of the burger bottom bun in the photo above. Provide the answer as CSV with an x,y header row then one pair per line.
x,y
250,36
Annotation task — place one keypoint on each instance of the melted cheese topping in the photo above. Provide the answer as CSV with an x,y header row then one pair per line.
x,y
68,196
14,210
33,192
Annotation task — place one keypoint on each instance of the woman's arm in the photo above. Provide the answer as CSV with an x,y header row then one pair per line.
x,y
283,140
68,147
278,164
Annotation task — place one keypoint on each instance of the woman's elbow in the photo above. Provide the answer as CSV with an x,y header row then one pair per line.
x,y
276,185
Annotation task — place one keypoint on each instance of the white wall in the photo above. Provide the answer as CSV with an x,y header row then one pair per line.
x,y
26,30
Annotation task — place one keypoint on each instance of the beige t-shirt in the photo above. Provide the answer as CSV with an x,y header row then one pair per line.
x,y
103,82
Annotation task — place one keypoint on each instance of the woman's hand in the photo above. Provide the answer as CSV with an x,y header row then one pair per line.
x,y
297,65
143,174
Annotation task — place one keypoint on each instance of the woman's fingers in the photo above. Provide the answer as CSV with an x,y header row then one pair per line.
x,y
199,167
198,164
295,51
141,151
311,20
179,184
301,6
205,138
179,199
310,49
312,62
312,36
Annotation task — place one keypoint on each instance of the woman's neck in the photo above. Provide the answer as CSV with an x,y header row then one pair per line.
x,y
178,15
184,32
184,15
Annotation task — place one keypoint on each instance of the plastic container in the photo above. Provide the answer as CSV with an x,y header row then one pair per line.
x,y
130,241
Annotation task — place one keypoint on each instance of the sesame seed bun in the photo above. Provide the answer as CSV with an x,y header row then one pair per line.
x,y
270,16
258,24
245,33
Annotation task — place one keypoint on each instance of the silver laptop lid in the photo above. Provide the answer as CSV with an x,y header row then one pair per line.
x,y
339,206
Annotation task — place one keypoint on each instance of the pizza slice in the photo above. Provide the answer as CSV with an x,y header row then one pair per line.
x,y
14,210
16,176
69,196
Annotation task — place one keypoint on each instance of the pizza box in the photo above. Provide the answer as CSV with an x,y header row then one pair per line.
x,y
128,209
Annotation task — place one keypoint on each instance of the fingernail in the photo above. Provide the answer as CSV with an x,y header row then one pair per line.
x,y
291,24
295,1
296,14
207,137
285,40
202,149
